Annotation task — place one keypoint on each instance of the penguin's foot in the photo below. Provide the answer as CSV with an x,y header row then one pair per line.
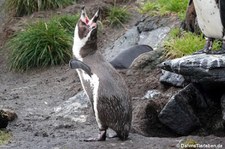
x,y
221,51
208,47
101,137
205,50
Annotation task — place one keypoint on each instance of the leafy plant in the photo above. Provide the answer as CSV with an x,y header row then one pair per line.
x,y
26,7
40,45
163,7
4,137
117,16
181,43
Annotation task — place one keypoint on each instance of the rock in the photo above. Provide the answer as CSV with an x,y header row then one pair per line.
x,y
151,94
6,115
178,113
3,119
148,24
130,38
11,115
201,68
155,37
172,79
72,108
148,60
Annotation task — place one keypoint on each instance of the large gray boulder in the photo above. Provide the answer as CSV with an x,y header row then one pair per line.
x,y
201,68
155,37
206,74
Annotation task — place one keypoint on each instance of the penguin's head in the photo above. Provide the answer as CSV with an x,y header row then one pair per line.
x,y
87,28
85,35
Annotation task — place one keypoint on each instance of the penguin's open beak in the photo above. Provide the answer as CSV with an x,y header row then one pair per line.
x,y
92,24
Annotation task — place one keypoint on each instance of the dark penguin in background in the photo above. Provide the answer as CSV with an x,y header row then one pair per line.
x,y
107,91
211,20
128,56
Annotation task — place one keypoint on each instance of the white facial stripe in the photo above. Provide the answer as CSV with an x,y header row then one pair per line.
x,y
79,43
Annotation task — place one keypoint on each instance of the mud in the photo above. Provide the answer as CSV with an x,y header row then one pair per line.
x,y
35,94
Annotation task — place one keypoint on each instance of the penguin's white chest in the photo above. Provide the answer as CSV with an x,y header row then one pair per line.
x,y
209,20
93,81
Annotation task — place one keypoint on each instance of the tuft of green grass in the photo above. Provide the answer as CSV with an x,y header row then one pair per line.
x,y
4,137
53,4
181,43
40,45
164,7
117,16
26,7
68,22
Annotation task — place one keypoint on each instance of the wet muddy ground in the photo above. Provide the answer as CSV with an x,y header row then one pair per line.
x,y
36,94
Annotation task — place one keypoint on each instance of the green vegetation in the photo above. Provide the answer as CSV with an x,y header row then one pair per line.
x,y
26,7
68,22
116,16
4,137
42,44
163,7
181,43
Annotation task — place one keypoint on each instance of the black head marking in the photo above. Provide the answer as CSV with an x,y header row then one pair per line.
x,y
87,28
85,25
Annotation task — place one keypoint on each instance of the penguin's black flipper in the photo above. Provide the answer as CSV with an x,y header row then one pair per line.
x,y
77,64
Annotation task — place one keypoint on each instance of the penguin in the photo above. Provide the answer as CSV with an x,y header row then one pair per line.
x,y
126,58
211,20
106,89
